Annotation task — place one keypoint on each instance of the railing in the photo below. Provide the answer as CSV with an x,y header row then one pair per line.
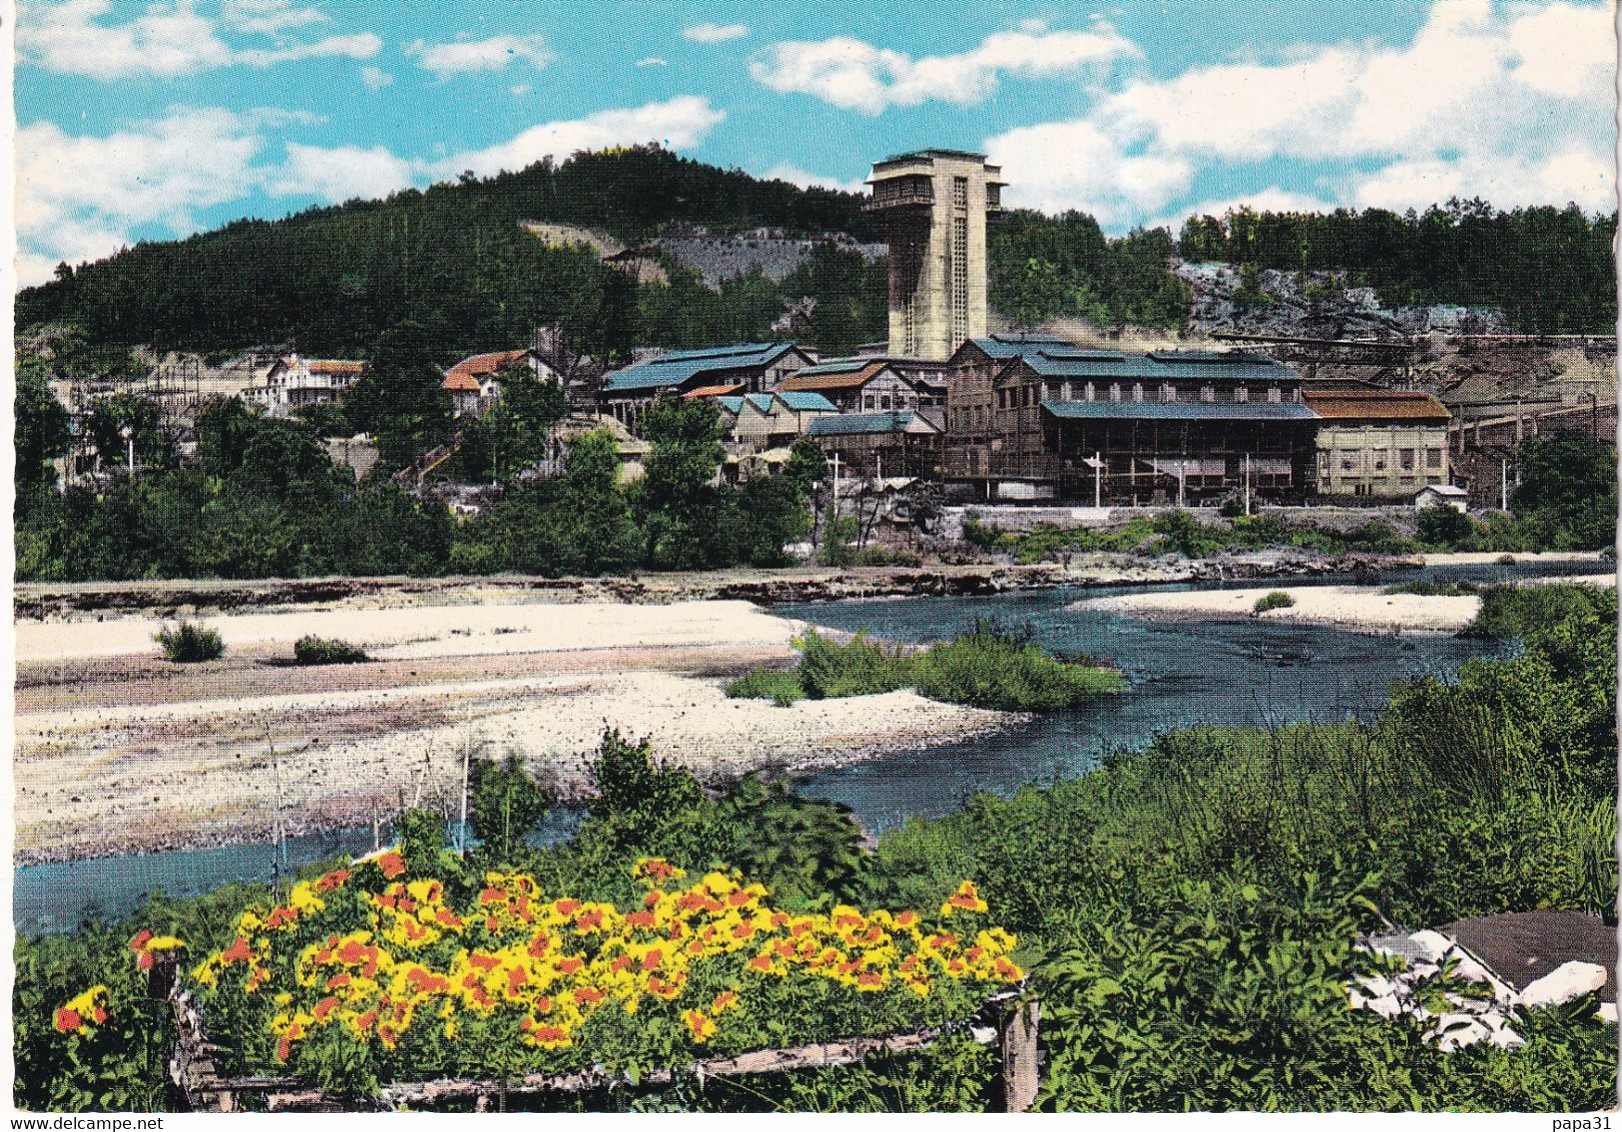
x,y
1005,1020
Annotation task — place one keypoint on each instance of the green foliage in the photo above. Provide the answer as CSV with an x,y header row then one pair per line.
x,y
771,514
779,685
982,535
317,650
851,296
1434,589
1568,493
634,796
838,535
1044,267
1446,527
190,642
1274,599
154,448
40,426
505,802
1565,277
422,840
990,666
677,501
400,398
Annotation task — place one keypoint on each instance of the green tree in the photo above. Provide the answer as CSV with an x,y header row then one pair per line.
x,y
505,802
677,501
400,398
40,429
771,513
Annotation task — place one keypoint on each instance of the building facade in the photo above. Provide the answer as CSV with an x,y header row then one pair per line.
x,y
880,445
753,367
935,203
859,385
1180,427
294,382
970,403
1379,443
474,383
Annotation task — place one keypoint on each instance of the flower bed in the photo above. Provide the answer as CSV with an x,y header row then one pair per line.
x,y
370,976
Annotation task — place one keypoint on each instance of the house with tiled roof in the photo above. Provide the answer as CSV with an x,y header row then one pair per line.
x,y
755,366
1379,443
474,383
294,382
859,385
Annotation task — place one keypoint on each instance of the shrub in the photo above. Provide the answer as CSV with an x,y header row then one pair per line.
x,y
1434,589
983,535
992,668
190,642
316,650
1277,599
829,670
878,556
1446,527
783,686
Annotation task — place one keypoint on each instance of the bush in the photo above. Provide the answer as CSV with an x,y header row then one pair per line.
x,y
1434,589
829,670
990,667
878,556
1446,527
190,642
982,535
317,650
1277,599
782,686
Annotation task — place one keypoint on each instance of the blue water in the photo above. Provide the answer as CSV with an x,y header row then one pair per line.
x,y
1239,673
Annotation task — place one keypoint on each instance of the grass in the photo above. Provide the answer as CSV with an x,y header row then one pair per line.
x,y
1180,532
1434,589
1277,599
989,666
190,642
317,650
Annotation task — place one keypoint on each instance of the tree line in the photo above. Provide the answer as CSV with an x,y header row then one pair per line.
x,y
1550,270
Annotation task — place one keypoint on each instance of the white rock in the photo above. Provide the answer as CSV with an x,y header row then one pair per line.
x,y
1469,970
1432,945
1378,986
1506,1038
1386,1006
1607,1011
1563,984
1455,1031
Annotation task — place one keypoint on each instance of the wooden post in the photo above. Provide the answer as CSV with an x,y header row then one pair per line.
x,y
1020,1073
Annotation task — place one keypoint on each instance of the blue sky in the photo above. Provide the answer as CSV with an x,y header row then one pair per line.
x,y
152,120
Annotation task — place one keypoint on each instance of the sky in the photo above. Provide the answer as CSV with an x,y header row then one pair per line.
x,y
155,120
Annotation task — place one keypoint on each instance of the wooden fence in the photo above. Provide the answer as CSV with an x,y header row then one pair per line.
x,y
1004,1020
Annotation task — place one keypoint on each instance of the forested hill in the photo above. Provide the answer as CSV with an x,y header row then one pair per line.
x,y
1549,270
453,258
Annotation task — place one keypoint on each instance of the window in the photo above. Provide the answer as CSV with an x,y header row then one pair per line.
x,y
1433,457
1115,392
1064,392
1241,394
1137,391
869,401
1168,393
1406,455
1044,394
1208,393
1092,391
1274,395
960,192
884,401
1348,465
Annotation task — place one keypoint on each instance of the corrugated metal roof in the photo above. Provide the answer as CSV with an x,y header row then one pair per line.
x,y
805,380
733,405
1006,346
839,365
1146,367
853,424
706,391
681,366
760,402
804,402
1178,411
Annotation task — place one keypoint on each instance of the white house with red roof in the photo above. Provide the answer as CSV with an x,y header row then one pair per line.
x,y
474,383
294,382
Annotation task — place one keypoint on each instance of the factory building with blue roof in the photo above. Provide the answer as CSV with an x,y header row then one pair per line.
x,y
749,367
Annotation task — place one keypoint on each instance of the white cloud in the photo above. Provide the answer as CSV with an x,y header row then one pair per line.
x,y
652,61
1511,103
794,175
81,197
375,78
855,75
678,123
268,17
1075,165
339,173
167,40
493,54
714,33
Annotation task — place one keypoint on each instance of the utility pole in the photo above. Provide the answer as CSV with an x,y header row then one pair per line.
x,y
1181,470
461,827
1098,481
1247,483
1503,491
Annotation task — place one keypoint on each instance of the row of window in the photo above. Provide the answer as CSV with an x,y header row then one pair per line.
x,y
1407,460
879,402
1168,394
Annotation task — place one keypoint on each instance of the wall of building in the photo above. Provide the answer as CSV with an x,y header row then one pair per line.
x,y
1385,461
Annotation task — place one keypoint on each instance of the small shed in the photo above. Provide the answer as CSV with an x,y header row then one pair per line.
x,y
1442,495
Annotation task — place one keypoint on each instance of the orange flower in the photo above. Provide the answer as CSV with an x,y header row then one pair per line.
x,y
238,952
68,1021
332,880
392,864
700,1027
324,1007
138,943
723,1000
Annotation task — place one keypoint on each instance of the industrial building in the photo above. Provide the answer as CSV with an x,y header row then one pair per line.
x,y
877,445
935,203
1379,443
1175,426
752,367
294,382
862,385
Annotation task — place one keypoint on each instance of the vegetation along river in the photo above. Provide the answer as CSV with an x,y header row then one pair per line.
x,y
1252,672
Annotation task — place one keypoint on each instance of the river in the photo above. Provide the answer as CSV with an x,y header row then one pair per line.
x,y
1239,673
